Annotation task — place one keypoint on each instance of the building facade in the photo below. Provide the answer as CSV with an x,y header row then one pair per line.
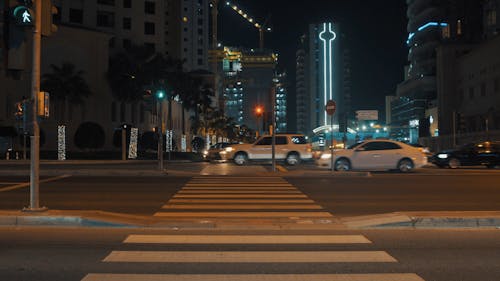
x,y
95,30
430,24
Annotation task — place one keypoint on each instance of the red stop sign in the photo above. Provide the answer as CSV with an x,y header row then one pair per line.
x,y
331,106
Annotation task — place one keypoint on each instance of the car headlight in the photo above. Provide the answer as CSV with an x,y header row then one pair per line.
x,y
205,152
228,149
442,155
326,156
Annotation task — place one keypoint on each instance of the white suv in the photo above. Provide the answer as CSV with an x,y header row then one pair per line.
x,y
289,147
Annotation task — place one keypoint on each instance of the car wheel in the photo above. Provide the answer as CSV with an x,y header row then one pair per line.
x,y
342,164
292,159
453,163
405,165
240,159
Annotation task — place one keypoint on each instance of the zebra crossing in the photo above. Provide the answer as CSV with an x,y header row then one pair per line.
x,y
285,248
236,200
292,257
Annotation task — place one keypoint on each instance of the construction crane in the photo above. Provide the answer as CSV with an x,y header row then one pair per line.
x,y
261,27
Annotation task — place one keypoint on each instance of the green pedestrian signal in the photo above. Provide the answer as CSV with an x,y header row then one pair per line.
x,y
160,94
23,16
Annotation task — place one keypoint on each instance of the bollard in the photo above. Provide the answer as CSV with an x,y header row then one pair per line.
x,y
17,155
7,155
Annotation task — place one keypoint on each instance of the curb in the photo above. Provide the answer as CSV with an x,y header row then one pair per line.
x,y
426,220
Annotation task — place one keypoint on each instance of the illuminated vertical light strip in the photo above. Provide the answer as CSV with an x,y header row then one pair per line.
x,y
327,64
324,65
331,58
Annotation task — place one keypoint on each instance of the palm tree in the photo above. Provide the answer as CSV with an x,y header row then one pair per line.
x,y
65,85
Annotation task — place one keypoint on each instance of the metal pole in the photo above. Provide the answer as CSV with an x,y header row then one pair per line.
x,y
331,146
35,89
160,135
487,128
273,122
454,128
124,142
169,127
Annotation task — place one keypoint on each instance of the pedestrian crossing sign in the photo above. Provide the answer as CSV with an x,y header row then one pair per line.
x,y
23,16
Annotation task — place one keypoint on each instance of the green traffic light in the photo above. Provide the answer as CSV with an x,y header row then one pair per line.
x,y
160,94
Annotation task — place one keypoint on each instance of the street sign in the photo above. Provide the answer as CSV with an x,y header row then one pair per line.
x,y
331,106
367,114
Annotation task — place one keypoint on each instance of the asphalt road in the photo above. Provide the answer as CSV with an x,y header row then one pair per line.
x,y
66,254
425,190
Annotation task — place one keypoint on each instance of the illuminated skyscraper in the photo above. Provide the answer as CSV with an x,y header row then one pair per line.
x,y
430,24
320,76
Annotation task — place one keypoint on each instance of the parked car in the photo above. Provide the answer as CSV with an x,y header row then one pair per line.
x,y
292,148
472,154
213,153
375,155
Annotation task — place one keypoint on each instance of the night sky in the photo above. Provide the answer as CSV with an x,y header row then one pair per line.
x,y
375,30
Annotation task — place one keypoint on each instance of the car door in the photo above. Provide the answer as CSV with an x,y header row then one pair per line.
x,y
371,156
261,149
281,147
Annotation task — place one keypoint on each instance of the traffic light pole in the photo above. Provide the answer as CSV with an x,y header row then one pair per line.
x,y
35,89
160,134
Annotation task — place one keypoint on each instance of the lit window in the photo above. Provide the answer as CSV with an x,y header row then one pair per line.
x,y
491,18
446,31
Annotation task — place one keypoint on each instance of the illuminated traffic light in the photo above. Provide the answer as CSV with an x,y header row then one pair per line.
x,y
259,111
160,94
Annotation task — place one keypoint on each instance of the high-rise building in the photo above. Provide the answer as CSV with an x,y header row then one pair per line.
x,y
430,24
187,32
322,74
280,98
176,28
248,82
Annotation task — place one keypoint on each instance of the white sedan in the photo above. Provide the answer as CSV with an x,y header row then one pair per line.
x,y
375,155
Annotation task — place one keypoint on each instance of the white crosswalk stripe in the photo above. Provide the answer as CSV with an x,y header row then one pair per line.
x,y
269,197
254,277
247,199
247,239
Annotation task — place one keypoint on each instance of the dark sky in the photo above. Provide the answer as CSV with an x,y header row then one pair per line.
x,y
375,33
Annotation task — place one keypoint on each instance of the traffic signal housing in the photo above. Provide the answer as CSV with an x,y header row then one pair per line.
x,y
48,12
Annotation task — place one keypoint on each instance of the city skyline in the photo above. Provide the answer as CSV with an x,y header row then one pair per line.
x,y
375,37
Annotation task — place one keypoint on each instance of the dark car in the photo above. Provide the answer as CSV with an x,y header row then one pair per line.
x,y
212,153
473,154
